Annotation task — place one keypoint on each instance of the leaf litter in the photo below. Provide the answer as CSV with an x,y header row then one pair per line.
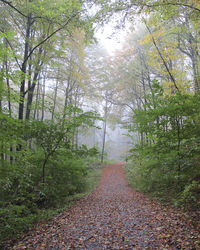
x,y
114,216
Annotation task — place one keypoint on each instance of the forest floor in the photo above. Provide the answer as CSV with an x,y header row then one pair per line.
x,y
114,216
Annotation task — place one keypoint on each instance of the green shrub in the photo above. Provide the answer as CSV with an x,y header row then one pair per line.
x,y
14,219
190,196
41,169
166,158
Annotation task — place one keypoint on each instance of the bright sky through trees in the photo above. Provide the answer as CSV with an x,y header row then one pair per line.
x,y
110,38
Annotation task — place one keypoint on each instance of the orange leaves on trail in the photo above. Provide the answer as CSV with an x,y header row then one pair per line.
x,y
114,217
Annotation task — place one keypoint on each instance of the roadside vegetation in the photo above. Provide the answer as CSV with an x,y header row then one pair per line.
x,y
44,176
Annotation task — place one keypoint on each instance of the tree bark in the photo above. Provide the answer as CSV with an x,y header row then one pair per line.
x,y
31,91
37,101
104,129
43,96
54,99
7,78
24,68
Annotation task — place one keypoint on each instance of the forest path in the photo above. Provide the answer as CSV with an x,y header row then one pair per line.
x,y
113,216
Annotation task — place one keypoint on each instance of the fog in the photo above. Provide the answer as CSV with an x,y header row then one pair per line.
x,y
117,141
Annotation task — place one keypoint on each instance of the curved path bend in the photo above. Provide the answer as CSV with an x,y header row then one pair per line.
x,y
113,216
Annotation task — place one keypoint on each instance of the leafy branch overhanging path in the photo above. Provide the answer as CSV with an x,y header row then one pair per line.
x,y
114,216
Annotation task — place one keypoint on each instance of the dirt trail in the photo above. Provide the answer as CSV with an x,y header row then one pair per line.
x,y
113,217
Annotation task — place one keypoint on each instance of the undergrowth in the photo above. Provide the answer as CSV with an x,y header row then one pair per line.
x,y
18,218
164,188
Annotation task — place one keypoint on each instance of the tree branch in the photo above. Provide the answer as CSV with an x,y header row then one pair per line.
x,y
22,14
160,54
10,45
170,3
49,36
13,7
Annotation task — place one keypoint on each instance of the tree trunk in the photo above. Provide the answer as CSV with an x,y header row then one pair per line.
x,y
104,130
24,68
37,101
7,78
43,96
196,75
30,95
29,82
54,99
67,90
31,87
1,86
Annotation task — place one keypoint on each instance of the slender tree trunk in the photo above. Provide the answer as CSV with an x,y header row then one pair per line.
x,y
24,68
54,99
29,85
104,130
76,103
7,78
194,56
36,101
30,95
192,51
31,88
38,104
76,139
8,91
196,75
177,120
43,168
1,86
43,96
104,140
67,90
162,58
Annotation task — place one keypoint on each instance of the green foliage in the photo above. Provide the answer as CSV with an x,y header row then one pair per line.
x,y
24,202
166,161
40,167
84,151
190,195
15,218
